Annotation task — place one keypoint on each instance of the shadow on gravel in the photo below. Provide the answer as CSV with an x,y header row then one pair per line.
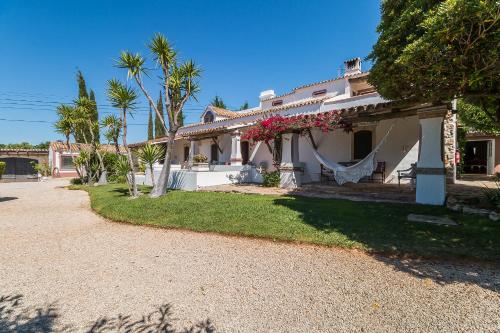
x,y
383,228
486,276
15,317
2,199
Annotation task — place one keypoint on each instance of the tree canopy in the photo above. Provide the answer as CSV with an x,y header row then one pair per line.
x,y
435,50
218,102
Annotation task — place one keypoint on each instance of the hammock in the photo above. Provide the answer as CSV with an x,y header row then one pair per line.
x,y
355,172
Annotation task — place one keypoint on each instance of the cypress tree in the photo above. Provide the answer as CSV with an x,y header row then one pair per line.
x,y
159,130
150,125
95,114
82,86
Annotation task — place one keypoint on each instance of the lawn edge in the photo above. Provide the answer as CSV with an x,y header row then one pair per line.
x,y
371,253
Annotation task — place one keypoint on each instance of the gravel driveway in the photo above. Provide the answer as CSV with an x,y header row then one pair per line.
x,y
82,273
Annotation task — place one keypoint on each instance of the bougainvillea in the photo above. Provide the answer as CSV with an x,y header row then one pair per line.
x,y
273,127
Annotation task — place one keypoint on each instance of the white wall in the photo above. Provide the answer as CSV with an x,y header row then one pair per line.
x,y
401,147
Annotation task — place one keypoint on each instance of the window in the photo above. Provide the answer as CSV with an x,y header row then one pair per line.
x,y
278,102
319,92
362,144
67,163
209,117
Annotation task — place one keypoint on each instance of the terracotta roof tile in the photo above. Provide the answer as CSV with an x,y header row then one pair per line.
x,y
76,147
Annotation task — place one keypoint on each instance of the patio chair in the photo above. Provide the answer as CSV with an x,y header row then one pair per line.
x,y
410,173
326,175
380,170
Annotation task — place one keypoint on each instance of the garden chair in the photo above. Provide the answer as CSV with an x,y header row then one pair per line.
x,y
410,173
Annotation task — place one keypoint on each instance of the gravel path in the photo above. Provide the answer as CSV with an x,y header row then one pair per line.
x,y
78,269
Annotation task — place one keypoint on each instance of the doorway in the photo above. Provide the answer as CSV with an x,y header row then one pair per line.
x,y
245,150
478,157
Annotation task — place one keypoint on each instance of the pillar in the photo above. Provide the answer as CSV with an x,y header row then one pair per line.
x,y
431,173
290,168
192,147
450,146
236,149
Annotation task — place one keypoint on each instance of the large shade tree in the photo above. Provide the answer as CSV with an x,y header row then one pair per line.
x,y
435,50
179,82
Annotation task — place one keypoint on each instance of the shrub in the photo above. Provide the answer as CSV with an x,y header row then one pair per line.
x,y
271,179
200,158
76,181
42,168
2,168
492,195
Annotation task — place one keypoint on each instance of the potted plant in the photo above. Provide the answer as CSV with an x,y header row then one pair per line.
x,y
200,163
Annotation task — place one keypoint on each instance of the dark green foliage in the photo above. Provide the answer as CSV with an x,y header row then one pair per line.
x,y
25,145
82,86
433,50
271,179
218,102
368,226
244,106
159,130
94,116
2,168
76,181
474,118
150,125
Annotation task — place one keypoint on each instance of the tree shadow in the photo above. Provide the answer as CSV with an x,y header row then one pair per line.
x,y
15,317
383,230
2,199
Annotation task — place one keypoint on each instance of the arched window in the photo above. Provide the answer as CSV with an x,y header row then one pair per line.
x,y
362,144
209,117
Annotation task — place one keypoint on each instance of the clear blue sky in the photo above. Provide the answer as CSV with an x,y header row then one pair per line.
x,y
244,47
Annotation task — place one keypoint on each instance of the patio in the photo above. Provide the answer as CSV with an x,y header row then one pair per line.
x,y
375,192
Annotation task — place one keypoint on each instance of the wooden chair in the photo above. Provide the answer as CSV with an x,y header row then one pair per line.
x,y
380,169
410,173
326,175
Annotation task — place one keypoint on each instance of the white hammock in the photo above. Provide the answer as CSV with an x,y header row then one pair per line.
x,y
355,172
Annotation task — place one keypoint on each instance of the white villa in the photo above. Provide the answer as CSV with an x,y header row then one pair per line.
x,y
418,133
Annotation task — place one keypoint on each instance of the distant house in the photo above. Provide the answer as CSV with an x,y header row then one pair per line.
x,y
61,156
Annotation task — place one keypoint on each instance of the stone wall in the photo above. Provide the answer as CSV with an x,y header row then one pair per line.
x,y
449,146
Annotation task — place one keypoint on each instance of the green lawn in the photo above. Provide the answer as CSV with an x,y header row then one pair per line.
x,y
372,227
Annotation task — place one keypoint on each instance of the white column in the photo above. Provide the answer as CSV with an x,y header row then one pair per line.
x,y
236,149
290,168
192,152
431,173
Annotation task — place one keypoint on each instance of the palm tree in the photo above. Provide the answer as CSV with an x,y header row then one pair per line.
x,y
66,126
149,155
124,98
86,108
113,124
179,84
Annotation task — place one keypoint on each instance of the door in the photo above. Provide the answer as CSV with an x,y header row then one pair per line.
x,y
245,150
18,167
186,153
490,168
214,153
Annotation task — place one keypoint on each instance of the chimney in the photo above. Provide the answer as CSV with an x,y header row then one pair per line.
x,y
266,94
352,66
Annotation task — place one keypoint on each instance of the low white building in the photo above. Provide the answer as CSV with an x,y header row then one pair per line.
x,y
415,133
